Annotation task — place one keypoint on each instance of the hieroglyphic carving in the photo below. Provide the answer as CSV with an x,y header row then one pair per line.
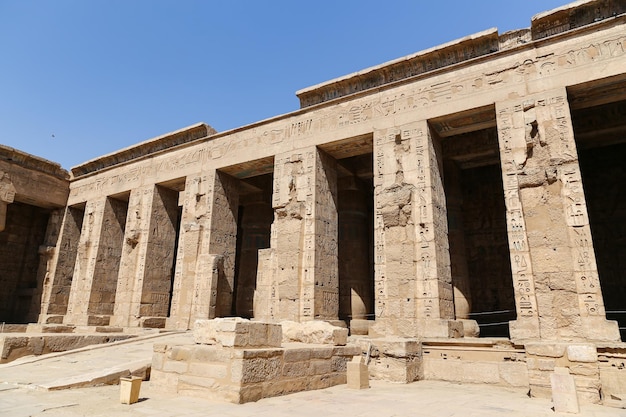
x,y
85,261
510,124
405,99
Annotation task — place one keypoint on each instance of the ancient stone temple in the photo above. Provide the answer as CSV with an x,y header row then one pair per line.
x,y
463,207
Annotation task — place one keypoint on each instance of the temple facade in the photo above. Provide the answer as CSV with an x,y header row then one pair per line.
x,y
475,189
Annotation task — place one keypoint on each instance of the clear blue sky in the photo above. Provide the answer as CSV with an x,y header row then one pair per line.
x,y
82,78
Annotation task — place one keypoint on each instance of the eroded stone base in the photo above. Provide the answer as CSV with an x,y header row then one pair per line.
x,y
244,375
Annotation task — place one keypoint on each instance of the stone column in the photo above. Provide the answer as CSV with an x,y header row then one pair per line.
x,y
91,261
456,240
355,278
7,194
46,252
304,284
204,276
512,132
460,275
555,276
256,221
412,262
58,281
143,290
133,258
193,223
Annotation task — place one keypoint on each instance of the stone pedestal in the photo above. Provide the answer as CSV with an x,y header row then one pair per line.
x,y
129,389
358,374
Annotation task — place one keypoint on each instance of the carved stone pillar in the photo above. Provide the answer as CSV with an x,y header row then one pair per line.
x,y
304,284
557,290
47,251
143,288
355,280
7,194
256,220
412,263
456,240
204,275
92,295
58,281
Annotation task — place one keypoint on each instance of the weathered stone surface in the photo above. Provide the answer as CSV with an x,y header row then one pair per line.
x,y
357,374
472,189
563,392
314,332
240,375
582,353
237,332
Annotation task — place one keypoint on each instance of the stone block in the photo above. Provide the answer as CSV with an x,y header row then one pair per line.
x,y
205,332
563,391
208,353
296,369
237,332
321,352
209,370
251,393
158,359
198,382
359,326
175,366
179,353
480,372
551,350
514,374
582,353
161,381
613,382
297,355
319,367
260,370
318,332
357,374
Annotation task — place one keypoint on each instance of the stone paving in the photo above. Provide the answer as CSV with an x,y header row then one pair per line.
x,y
91,363
22,393
383,399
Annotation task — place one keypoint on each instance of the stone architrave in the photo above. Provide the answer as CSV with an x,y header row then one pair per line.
x,y
304,283
412,262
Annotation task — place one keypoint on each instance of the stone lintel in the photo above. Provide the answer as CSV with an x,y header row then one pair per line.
x,y
573,15
151,146
25,160
450,53
31,180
